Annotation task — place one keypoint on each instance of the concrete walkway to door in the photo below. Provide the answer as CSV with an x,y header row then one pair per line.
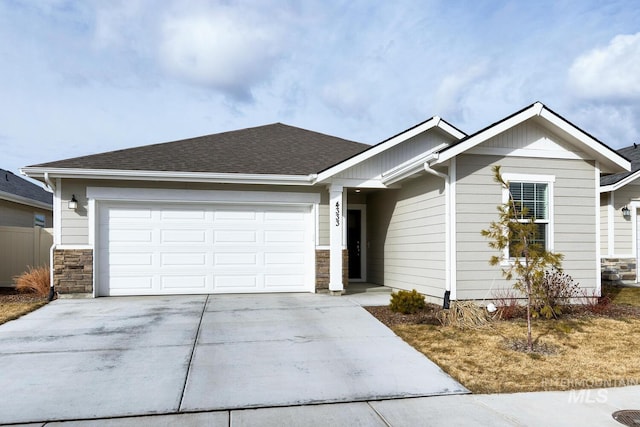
x,y
112,357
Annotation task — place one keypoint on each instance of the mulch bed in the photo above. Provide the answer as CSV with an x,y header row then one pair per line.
x,y
429,315
11,295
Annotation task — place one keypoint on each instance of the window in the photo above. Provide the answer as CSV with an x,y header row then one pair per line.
x,y
535,193
39,220
532,199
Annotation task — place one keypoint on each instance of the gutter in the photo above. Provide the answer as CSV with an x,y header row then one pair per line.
x,y
448,233
134,175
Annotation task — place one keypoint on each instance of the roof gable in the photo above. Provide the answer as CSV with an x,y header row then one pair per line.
x,y
585,143
275,149
433,123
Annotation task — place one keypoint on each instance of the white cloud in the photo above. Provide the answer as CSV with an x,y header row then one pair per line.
x,y
229,49
347,98
454,88
610,72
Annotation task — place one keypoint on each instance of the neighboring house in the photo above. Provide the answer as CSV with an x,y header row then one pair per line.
x,y
281,209
619,202
23,203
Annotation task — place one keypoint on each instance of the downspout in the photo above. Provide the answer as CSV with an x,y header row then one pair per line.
x,y
445,177
52,291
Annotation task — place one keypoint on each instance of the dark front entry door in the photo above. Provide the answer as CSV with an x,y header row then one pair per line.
x,y
354,242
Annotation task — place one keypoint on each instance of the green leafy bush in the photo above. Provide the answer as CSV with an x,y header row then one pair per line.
x,y
406,302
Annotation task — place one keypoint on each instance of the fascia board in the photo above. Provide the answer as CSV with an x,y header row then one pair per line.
x,y
227,178
25,201
604,153
383,146
488,134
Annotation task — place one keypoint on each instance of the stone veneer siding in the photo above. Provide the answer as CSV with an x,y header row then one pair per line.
x,y
73,271
615,270
323,267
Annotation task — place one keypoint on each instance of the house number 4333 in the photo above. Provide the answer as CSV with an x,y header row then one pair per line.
x,y
337,214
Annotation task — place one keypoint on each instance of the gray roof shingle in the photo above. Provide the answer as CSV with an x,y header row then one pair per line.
x,y
12,184
271,149
631,153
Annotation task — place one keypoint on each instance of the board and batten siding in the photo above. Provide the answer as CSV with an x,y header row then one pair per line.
x,y
407,236
623,227
478,196
75,224
374,167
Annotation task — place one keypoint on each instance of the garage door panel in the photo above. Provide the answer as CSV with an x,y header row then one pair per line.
x,y
235,236
136,283
184,282
155,249
131,258
225,259
181,214
284,236
234,216
183,236
236,282
183,259
284,259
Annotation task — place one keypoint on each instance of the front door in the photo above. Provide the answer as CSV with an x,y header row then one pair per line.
x,y
354,243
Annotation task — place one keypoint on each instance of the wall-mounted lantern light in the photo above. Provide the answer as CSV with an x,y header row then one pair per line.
x,y
626,212
73,203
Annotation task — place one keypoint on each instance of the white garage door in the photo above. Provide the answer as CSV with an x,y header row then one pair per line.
x,y
151,249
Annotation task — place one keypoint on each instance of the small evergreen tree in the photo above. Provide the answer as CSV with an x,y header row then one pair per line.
x,y
516,230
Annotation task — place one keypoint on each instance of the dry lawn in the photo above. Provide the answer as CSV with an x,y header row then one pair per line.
x,y
13,310
589,352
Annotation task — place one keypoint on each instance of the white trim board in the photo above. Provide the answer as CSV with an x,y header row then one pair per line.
x,y
199,196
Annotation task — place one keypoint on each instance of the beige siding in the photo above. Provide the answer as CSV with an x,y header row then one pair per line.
x,y
623,228
407,237
604,227
19,215
383,162
477,197
75,224
323,219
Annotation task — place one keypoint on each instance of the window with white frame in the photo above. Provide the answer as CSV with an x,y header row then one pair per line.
x,y
535,193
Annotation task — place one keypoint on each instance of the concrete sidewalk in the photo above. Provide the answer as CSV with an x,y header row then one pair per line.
x,y
572,408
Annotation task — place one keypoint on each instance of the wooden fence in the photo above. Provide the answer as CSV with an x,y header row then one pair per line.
x,y
21,247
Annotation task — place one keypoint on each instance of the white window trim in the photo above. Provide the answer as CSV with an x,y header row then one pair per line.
x,y
535,179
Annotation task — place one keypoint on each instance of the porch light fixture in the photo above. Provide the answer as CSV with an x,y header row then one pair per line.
x,y
626,212
73,203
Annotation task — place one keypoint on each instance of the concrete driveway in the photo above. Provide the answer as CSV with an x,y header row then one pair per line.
x,y
83,359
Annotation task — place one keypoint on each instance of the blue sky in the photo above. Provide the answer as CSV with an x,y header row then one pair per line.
x,y
82,77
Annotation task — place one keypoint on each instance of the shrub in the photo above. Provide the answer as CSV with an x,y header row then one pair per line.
x,y
594,303
34,280
406,302
554,291
506,301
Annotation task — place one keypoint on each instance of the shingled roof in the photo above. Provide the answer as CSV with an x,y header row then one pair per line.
x,y
633,154
17,186
272,149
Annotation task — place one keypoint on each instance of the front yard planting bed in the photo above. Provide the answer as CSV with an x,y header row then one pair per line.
x,y
583,349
